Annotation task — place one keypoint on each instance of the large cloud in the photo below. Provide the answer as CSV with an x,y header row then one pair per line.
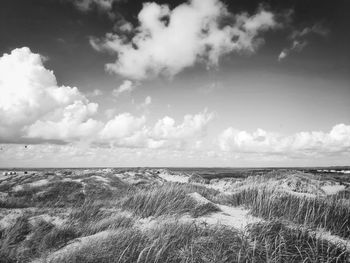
x,y
299,144
29,92
34,108
167,41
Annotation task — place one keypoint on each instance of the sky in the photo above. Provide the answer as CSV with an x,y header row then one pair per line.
x,y
92,83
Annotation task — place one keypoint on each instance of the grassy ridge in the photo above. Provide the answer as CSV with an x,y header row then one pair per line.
x,y
328,213
169,199
268,242
114,237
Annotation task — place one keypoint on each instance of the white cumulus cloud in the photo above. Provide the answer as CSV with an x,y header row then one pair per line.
x,y
29,93
299,144
70,123
131,131
167,41
191,126
34,108
122,126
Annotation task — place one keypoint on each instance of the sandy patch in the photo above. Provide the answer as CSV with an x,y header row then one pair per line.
x,y
174,178
236,217
100,178
134,178
332,189
56,220
17,188
72,180
39,183
201,200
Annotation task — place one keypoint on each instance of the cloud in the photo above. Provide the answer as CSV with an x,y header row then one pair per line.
x,y
145,104
129,131
167,41
100,5
192,125
210,88
70,123
33,108
126,86
299,39
94,93
148,101
122,128
284,53
316,143
29,93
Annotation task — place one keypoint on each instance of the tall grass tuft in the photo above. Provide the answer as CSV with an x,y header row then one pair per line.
x,y
275,242
11,239
156,201
316,212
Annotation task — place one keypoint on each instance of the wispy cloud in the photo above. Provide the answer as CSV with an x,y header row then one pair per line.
x,y
299,39
103,6
94,93
126,87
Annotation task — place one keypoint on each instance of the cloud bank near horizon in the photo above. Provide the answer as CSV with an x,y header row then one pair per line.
x,y
33,108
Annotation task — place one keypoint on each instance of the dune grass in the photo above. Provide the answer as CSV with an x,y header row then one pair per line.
x,y
275,242
103,226
185,242
12,237
156,201
315,212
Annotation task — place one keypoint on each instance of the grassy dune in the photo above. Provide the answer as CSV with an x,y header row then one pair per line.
x,y
175,242
328,213
102,219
